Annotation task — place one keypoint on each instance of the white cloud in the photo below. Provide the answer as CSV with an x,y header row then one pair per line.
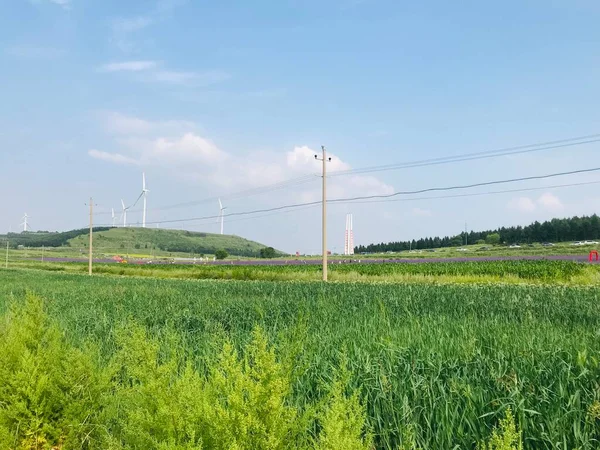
x,y
122,124
547,202
189,78
550,202
522,204
125,28
150,71
132,24
35,52
111,157
418,212
187,149
191,157
65,4
129,66
267,93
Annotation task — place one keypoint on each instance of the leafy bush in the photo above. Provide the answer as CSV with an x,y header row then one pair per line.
x,y
493,239
268,252
505,438
49,391
221,254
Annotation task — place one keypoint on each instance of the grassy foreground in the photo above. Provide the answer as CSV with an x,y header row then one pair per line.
x,y
433,366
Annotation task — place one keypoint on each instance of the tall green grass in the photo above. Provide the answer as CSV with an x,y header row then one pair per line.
x,y
436,366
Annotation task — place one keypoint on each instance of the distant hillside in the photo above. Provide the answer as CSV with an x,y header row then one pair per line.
x,y
45,238
141,238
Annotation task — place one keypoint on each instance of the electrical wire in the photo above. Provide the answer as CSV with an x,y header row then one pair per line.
x,y
477,194
385,196
522,149
468,186
235,195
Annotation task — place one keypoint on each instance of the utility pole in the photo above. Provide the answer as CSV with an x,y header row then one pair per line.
x,y
91,237
324,231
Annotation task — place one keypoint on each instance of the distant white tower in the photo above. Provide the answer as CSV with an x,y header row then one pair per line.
x,y
145,195
25,225
221,216
349,236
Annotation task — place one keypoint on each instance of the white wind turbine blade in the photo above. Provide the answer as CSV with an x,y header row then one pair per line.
x,y
124,214
221,214
145,194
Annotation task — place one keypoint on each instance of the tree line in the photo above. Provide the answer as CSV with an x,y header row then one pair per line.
x,y
46,238
555,230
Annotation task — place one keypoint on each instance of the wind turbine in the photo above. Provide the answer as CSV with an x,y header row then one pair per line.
x,y
124,213
221,209
25,224
145,194
112,211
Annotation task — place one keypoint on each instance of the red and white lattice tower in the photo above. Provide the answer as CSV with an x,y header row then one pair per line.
x,y
349,236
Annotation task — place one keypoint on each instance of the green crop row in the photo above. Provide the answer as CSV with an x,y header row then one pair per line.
x,y
541,271
436,366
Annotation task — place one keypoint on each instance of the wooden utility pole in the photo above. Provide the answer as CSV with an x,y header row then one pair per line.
x,y
91,232
324,201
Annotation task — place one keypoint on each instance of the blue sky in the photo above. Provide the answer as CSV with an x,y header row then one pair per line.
x,y
213,98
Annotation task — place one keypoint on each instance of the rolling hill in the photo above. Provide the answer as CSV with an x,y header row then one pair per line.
x,y
148,239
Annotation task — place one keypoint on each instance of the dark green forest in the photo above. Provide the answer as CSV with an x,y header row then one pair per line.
x,y
46,238
555,230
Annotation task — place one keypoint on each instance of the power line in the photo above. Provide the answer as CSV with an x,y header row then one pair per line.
x,y
522,149
386,196
551,145
468,186
478,194
473,194
236,195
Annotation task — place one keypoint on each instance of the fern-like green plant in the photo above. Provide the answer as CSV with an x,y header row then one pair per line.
x,y
342,422
154,403
507,437
249,397
49,391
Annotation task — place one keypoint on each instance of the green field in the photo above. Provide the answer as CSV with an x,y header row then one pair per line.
x,y
435,366
512,272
